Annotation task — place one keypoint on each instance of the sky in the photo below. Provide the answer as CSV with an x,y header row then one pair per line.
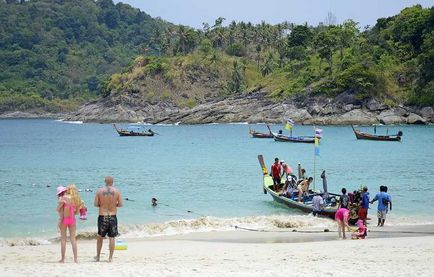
x,y
194,12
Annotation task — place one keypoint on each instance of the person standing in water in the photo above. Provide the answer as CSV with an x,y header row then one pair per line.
x,y
107,200
68,206
364,205
383,199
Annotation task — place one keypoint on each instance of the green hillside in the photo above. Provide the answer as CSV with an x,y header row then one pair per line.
x,y
57,54
54,54
392,61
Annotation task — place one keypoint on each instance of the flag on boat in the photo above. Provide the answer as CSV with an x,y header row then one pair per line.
x,y
318,133
316,146
289,124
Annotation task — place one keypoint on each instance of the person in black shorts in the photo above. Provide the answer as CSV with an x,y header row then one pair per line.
x,y
107,199
108,225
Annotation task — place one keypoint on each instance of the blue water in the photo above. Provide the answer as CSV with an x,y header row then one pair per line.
x,y
211,170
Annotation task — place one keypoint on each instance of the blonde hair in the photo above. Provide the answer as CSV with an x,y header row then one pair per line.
x,y
72,191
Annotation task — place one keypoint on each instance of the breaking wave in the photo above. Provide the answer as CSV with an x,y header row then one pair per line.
x,y
185,226
23,242
209,224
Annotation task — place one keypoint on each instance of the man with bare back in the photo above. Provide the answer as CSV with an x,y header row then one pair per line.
x,y
107,199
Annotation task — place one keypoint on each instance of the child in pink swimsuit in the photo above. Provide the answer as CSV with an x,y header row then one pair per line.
x,y
362,231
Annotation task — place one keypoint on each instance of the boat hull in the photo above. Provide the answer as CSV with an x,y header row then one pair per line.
x,y
268,183
255,134
125,133
261,135
283,138
134,134
366,136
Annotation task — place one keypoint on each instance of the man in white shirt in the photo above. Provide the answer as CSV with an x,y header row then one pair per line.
x,y
318,204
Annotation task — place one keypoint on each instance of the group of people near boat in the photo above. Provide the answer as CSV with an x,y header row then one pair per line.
x,y
280,169
69,204
352,208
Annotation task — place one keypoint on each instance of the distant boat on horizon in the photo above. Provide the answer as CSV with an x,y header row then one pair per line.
x,y
132,133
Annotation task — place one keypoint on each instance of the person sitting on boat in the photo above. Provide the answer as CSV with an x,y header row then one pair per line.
x,y
275,173
344,200
318,204
302,175
288,190
291,180
303,188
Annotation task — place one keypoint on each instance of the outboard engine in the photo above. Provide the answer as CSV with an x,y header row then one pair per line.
x,y
400,134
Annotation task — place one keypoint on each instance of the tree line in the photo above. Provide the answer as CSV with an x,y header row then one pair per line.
x,y
393,60
55,51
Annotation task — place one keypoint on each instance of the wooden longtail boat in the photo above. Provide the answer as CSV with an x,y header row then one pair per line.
x,y
255,134
300,139
131,133
366,136
292,202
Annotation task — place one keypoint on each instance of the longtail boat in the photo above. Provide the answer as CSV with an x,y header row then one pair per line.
x,y
283,138
131,133
367,136
330,207
302,139
256,134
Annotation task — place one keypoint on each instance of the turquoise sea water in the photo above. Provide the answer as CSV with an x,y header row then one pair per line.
x,y
211,170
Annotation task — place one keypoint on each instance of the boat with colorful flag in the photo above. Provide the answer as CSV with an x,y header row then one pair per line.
x,y
292,201
289,125
302,139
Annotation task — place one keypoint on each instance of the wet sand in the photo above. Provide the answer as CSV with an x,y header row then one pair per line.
x,y
388,251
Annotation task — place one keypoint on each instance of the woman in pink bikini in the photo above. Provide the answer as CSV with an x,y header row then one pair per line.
x,y
68,206
342,216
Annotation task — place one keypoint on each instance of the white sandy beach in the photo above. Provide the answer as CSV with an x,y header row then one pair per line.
x,y
239,253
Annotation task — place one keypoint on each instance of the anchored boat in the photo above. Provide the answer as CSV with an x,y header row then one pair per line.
x,y
283,138
132,133
366,136
256,134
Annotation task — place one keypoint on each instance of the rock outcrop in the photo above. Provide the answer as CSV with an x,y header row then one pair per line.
x,y
253,107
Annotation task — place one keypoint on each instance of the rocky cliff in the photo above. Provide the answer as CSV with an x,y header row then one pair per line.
x,y
253,107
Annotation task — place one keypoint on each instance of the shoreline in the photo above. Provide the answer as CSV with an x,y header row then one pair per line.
x,y
370,121
236,253
250,107
237,234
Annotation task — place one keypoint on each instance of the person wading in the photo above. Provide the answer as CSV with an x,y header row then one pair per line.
x,y
107,199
